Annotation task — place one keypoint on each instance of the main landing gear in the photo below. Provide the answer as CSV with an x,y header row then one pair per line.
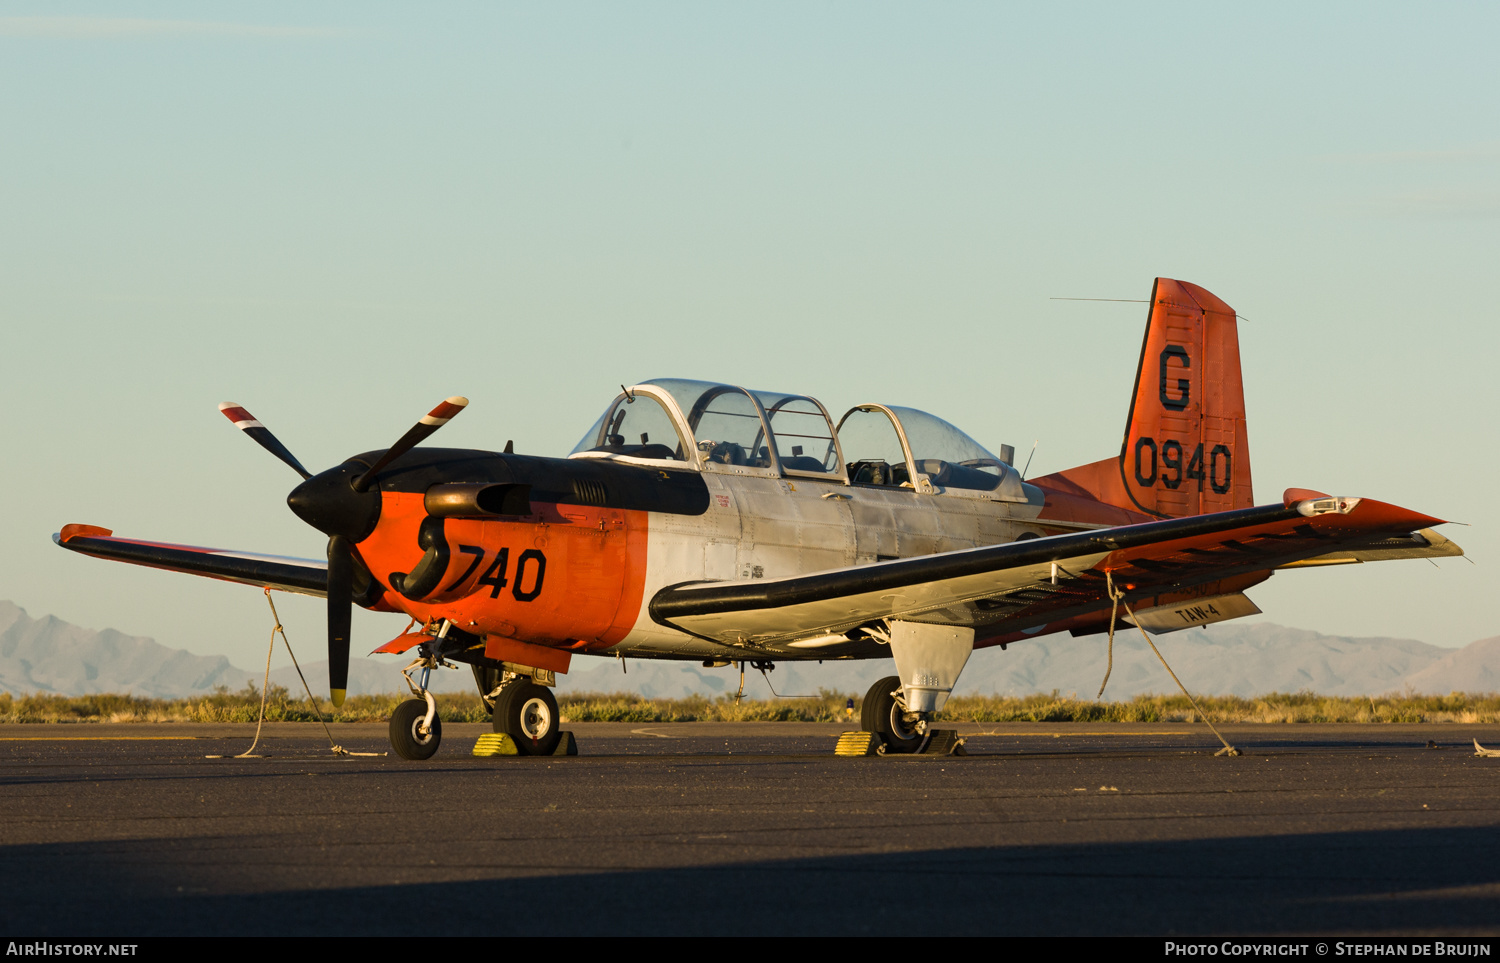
x,y
527,713
899,709
884,713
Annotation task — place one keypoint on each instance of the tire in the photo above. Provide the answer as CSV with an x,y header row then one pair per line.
x,y
880,691
881,714
405,740
527,712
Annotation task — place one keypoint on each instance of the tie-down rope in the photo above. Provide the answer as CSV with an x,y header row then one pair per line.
x,y
1117,599
265,687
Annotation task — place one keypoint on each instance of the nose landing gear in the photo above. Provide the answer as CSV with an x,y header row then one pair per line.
x,y
412,735
416,729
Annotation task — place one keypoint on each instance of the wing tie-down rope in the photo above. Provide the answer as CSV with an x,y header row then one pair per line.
x,y
265,687
1117,599
1114,607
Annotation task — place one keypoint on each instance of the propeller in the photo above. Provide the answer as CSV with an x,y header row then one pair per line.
x,y
418,433
338,502
340,615
246,422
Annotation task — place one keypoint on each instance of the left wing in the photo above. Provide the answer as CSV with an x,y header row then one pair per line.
x,y
1029,584
306,576
1423,544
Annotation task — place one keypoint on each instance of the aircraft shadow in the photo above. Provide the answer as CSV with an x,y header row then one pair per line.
x,y
1399,881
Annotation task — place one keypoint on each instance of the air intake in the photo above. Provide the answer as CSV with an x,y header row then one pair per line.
x,y
589,492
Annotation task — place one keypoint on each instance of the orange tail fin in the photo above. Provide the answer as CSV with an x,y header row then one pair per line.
x,y
1185,450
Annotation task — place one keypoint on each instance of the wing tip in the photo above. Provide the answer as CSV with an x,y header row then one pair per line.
x,y
70,532
1310,503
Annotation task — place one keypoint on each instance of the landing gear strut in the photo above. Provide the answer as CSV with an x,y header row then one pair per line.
x,y
883,712
416,729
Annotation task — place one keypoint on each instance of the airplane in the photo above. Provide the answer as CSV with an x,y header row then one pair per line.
x,y
708,522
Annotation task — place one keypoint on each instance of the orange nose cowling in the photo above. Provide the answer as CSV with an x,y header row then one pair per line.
x,y
571,575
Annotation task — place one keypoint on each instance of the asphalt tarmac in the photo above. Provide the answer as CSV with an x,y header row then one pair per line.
x,y
751,829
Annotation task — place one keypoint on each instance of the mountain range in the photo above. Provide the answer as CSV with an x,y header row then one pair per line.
x,y
48,655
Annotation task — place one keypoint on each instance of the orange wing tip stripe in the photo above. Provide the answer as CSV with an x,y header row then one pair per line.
x,y
242,419
1372,514
444,412
87,531
1293,495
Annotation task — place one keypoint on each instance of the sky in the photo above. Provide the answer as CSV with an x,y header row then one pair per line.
x,y
339,214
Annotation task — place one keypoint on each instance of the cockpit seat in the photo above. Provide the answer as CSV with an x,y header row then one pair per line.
x,y
876,471
802,463
617,446
945,474
727,453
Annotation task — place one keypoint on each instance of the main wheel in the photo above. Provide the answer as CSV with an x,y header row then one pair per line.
x,y
881,690
405,739
528,713
881,714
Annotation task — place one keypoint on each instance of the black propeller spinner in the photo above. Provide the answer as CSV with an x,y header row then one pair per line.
x,y
341,503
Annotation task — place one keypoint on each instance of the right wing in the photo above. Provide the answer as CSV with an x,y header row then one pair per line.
x,y
305,576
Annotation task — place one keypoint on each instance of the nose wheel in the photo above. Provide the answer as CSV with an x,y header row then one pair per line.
x,y
527,712
411,736
416,729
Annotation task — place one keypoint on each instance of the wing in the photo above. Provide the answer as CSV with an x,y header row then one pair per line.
x,y
1423,544
306,576
1030,584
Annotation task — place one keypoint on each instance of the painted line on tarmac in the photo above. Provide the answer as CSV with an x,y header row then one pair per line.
x,y
93,738
1074,732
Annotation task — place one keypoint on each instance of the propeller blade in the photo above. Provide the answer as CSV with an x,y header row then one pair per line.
x,y
340,614
432,421
245,421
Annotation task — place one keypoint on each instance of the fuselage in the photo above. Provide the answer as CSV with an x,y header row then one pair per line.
x,y
575,565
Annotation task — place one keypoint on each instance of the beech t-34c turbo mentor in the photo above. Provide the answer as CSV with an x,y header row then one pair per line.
x,y
708,522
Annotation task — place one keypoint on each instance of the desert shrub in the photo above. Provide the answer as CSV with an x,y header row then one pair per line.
x,y
244,705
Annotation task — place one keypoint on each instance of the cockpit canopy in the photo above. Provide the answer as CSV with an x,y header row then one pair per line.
x,y
700,422
877,440
726,428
